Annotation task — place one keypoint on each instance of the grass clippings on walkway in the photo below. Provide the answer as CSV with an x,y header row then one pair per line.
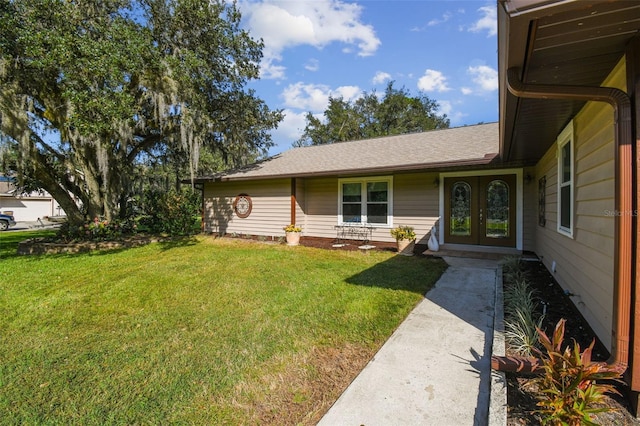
x,y
198,331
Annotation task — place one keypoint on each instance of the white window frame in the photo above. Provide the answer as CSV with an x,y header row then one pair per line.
x,y
566,137
363,200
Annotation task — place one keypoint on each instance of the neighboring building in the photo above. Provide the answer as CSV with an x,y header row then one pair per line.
x,y
26,207
557,176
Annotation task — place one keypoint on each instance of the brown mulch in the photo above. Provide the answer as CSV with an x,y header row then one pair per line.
x,y
331,244
522,391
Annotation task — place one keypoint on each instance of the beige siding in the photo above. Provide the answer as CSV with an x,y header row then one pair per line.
x,y
321,207
271,207
584,263
530,209
415,203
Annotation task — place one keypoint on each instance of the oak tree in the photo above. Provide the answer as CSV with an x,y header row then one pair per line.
x,y
89,90
394,113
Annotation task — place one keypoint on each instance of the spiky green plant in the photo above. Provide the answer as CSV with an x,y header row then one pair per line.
x,y
569,388
510,263
521,332
521,318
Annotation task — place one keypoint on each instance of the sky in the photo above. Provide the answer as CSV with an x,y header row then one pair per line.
x,y
313,49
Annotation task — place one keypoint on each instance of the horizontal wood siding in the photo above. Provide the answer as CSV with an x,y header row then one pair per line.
x,y
300,201
530,209
321,207
585,264
271,207
415,200
415,203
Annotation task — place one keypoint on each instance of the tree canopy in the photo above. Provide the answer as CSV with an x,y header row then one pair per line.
x,y
397,112
89,90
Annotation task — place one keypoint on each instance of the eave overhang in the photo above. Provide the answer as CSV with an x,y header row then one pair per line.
x,y
574,43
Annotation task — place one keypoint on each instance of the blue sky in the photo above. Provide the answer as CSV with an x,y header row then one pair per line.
x,y
319,48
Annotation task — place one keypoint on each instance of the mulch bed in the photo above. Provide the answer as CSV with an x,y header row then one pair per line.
x,y
34,246
521,391
330,243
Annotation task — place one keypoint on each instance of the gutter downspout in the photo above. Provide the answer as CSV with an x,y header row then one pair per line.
x,y
623,252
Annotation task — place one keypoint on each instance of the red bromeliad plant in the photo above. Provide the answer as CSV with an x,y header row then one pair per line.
x,y
568,385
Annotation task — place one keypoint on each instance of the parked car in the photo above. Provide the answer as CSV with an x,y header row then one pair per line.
x,y
6,221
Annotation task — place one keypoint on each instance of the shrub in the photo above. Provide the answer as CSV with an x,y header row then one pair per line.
x,y
96,230
568,385
172,212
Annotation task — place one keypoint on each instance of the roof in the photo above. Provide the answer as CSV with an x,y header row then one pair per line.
x,y
559,43
454,147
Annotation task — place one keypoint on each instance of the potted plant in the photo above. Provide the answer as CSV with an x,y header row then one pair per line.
x,y
293,234
405,238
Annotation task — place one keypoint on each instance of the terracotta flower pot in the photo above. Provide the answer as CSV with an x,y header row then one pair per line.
x,y
405,247
293,238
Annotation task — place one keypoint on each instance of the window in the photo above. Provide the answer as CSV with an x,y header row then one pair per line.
x,y
565,181
365,201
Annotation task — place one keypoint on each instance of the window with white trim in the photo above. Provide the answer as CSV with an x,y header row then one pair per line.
x,y
365,201
566,162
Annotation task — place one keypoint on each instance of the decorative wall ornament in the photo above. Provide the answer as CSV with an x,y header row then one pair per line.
x,y
542,202
242,205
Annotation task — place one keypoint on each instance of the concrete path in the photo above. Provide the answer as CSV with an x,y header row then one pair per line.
x,y
435,369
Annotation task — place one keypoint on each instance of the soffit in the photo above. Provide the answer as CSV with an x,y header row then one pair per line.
x,y
562,43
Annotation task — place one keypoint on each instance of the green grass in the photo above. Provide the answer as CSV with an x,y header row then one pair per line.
x,y
196,331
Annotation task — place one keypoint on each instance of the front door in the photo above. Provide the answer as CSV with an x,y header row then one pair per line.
x,y
480,210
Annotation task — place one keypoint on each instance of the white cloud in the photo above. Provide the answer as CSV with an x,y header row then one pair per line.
x,y
312,65
292,126
315,97
485,77
455,117
433,81
289,130
488,22
445,17
285,24
445,107
381,77
269,70
466,90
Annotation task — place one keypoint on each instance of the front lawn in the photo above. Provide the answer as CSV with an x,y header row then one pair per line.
x,y
198,331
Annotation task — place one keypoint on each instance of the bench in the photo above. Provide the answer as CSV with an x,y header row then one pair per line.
x,y
353,231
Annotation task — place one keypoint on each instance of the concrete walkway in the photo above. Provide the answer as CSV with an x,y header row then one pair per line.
x,y
435,369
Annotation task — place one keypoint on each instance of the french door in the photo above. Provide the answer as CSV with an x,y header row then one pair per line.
x,y
480,210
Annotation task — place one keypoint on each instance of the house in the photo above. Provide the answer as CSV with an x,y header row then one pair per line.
x,y
377,184
569,90
27,207
558,175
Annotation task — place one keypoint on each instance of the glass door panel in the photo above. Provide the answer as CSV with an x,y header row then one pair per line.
x,y
497,213
460,218
497,210
460,210
480,210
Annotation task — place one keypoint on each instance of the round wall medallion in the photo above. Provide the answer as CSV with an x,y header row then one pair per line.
x,y
242,205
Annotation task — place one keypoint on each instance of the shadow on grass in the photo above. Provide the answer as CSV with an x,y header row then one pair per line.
x,y
177,242
411,273
9,245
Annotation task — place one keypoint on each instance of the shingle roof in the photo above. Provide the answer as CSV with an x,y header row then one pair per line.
x,y
457,146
